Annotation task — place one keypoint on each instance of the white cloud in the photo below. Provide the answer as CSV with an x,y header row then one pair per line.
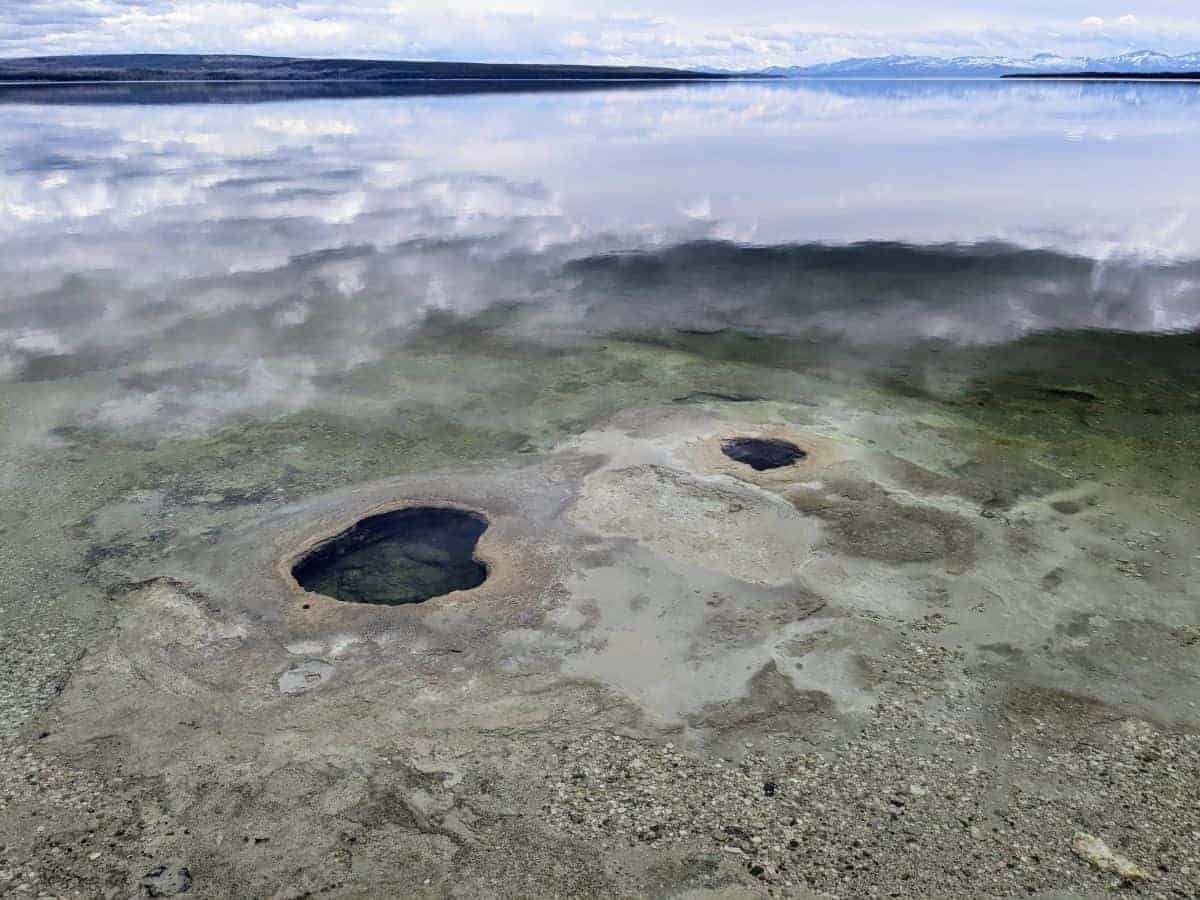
x,y
667,32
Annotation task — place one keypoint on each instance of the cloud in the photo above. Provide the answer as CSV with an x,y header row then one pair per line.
x,y
667,32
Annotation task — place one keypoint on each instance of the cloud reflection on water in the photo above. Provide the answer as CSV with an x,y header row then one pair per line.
x,y
217,260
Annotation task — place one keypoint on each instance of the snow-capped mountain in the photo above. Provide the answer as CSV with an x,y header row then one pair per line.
x,y
1150,61
990,66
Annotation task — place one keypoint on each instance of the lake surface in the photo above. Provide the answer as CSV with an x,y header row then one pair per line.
x,y
214,302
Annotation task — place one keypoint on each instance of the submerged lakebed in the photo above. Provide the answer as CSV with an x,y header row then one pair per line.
x,y
212,309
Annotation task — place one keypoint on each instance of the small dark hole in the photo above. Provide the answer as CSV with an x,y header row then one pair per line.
x,y
407,556
762,453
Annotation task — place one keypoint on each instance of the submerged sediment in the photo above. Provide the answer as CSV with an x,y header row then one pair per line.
x,y
888,605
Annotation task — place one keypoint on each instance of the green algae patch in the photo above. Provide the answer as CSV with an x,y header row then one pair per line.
x,y
1083,404
1112,406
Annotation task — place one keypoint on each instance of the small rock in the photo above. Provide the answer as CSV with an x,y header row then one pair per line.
x,y
167,881
306,676
1093,850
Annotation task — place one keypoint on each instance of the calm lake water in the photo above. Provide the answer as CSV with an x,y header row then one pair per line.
x,y
224,257
215,300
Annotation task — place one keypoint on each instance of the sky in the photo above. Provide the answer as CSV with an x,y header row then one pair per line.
x,y
664,32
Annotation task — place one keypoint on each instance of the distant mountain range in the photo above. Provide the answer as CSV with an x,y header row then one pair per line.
x,y
1141,61
171,67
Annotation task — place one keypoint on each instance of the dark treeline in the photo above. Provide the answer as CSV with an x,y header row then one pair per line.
x,y
183,67
1113,76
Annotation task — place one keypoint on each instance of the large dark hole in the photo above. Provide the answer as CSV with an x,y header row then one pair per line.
x,y
762,453
408,556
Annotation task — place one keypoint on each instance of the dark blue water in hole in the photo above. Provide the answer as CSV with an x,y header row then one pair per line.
x,y
762,454
407,556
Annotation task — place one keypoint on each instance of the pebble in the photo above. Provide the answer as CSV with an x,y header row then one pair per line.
x,y
858,818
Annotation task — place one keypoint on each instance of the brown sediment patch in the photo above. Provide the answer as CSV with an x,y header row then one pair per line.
x,y
992,480
864,520
773,705
1067,507
728,619
1049,714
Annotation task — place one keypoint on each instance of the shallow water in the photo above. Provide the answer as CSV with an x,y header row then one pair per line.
x,y
210,309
